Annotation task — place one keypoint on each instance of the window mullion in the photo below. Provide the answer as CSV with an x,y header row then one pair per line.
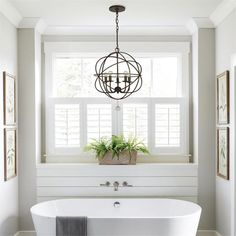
x,y
152,84
83,122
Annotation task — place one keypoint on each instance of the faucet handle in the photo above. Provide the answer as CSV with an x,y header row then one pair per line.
x,y
125,184
107,184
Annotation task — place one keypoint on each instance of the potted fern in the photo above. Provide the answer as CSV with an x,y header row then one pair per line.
x,y
117,150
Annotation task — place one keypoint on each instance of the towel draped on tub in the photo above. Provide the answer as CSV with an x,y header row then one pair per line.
x,y
71,226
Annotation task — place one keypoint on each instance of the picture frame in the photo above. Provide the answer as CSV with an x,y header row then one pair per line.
x,y
10,153
223,98
9,99
223,152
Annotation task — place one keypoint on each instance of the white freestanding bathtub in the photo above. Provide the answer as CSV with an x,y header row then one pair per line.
x,y
121,217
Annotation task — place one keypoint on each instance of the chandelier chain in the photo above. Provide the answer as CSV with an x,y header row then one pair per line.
x,y
117,31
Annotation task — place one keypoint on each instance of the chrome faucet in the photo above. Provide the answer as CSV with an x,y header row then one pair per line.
x,y
116,185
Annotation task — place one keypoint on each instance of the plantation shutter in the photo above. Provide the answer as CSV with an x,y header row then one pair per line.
x,y
99,121
167,125
67,125
135,121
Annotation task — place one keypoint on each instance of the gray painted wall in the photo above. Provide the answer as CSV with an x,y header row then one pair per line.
x,y
9,189
29,67
225,47
204,122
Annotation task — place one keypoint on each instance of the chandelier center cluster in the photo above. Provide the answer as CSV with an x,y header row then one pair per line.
x,y
118,75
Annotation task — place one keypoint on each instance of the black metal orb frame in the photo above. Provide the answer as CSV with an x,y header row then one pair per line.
x,y
118,75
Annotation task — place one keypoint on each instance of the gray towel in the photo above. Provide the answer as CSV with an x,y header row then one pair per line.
x,y
71,226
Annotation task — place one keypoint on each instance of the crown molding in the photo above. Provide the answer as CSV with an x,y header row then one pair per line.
x,y
33,23
10,12
222,11
124,29
199,23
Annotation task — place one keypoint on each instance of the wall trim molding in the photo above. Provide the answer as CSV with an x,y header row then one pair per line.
x,y
33,22
130,30
199,23
10,12
101,47
222,11
200,233
101,30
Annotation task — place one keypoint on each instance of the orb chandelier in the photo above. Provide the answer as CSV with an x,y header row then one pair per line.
x,y
118,75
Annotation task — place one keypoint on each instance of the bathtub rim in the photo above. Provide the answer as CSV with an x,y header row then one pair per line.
x,y
198,211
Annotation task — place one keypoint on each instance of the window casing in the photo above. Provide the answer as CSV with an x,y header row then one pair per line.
x,y
160,121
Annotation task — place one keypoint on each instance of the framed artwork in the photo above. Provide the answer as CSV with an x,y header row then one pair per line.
x,y
9,99
223,98
223,152
10,163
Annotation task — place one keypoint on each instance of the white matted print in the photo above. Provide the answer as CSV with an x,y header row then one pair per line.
x,y
10,165
223,98
223,152
9,99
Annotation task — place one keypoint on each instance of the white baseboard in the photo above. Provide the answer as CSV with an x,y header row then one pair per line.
x,y
200,233
25,233
207,233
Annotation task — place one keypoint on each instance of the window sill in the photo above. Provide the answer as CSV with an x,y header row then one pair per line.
x,y
142,159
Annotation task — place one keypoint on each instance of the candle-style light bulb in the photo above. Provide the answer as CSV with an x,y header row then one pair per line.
x,y
129,78
105,78
110,76
125,76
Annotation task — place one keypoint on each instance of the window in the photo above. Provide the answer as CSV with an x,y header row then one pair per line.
x,y
76,113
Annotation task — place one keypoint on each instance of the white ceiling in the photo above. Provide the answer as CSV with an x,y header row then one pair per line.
x,y
139,14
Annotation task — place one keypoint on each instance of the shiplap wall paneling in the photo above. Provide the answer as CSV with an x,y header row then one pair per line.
x,y
139,170
45,181
71,181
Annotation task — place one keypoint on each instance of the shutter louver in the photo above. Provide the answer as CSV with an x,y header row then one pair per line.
x,y
99,121
167,125
67,125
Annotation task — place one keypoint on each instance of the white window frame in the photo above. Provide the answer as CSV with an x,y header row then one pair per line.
x,y
98,49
